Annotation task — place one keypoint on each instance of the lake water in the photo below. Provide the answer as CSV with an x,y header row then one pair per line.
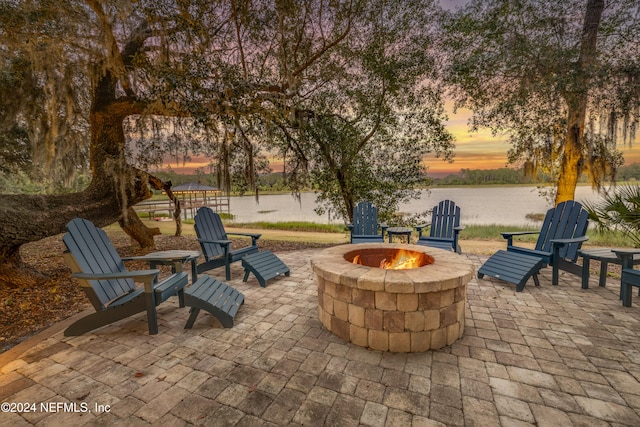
x,y
479,205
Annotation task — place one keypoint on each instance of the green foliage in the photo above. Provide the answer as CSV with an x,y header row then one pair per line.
x,y
519,177
20,182
616,239
328,86
517,66
611,238
372,112
291,226
43,93
629,173
492,232
486,177
619,212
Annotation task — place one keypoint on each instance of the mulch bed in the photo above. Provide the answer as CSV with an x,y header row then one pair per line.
x,y
24,311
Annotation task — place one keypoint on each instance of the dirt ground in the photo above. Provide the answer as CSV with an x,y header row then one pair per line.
x,y
24,311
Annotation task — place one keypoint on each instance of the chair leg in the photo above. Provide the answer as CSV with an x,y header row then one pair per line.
x,y
181,298
192,317
227,270
536,281
152,317
586,261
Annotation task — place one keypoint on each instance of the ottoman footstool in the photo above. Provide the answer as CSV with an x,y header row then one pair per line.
x,y
265,265
214,296
512,267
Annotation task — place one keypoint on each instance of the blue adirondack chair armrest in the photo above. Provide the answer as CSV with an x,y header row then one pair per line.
x,y
350,228
226,245
559,243
420,227
175,263
459,228
509,235
254,236
147,277
562,242
217,242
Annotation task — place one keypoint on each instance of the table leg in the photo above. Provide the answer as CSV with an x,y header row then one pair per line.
x,y
604,265
586,261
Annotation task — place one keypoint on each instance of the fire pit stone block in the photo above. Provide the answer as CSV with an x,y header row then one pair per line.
x,y
412,310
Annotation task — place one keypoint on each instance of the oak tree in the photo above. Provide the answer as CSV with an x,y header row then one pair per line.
x,y
562,79
111,87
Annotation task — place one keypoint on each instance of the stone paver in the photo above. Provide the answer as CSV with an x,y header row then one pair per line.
x,y
550,355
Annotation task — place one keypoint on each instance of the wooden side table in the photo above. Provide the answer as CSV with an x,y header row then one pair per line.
x,y
605,256
400,231
174,258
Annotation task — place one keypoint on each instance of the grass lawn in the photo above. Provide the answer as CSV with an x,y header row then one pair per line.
x,y
480,239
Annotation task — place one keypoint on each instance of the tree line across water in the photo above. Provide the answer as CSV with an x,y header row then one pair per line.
x,y
630,173
277,182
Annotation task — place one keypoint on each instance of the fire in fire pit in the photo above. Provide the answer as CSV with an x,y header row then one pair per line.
x,y
389,258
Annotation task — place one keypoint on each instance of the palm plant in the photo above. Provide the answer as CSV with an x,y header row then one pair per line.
x,y
619,211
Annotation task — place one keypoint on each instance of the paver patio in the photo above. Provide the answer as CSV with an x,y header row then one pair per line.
x,y
554,356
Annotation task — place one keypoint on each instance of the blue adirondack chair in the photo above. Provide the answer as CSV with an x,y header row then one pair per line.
x,y
365,224
109,285
563,232
444,227
215,244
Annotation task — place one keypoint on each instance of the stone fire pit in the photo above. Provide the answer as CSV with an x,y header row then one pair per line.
x,y
408,310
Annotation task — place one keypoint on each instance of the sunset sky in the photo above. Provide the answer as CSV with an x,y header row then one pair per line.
x,y
473,151
484,151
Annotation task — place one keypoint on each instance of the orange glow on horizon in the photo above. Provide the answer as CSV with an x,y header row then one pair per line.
x,y
480,150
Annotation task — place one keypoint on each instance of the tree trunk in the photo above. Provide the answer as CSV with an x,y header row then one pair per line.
x,y
25,219
176,216
135,228
577,100
571,160
347,194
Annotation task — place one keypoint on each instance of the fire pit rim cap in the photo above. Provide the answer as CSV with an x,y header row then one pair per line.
x,y
331,264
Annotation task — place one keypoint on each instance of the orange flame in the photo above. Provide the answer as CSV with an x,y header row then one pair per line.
x,y
402,260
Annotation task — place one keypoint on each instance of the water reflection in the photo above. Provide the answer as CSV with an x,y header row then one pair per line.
x,y
479,205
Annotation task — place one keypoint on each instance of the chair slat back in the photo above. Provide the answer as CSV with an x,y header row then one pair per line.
x,y
567,220
365,219
93,252
444,218
208,226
